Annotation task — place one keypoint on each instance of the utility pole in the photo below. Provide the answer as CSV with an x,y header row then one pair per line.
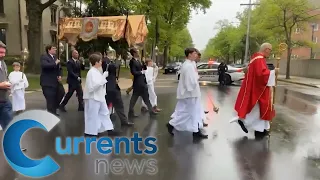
x,y
312,39
248,29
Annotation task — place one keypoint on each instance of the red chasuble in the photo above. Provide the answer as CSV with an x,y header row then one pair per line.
x,y
254,90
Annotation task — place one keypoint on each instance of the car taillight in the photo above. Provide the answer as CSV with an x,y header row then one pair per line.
x,y
239,70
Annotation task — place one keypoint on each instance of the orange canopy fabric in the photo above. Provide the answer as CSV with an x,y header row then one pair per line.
x,y
109,26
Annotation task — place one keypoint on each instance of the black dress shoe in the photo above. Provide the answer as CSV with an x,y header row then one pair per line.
x,y
113,133
170,128
80,109
199,134
259,135
205,124
127,124
62,109
153,113
131,114
143,109
206,112
243,127
90,135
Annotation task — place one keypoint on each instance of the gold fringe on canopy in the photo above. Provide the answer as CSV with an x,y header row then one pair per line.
x,y
108,26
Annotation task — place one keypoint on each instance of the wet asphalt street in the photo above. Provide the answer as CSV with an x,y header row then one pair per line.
x,y
227,154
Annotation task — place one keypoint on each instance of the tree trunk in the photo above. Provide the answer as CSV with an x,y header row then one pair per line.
x,y
288,61
242,57
34,36
165,55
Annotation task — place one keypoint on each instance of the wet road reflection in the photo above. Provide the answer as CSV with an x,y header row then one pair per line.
x,y
226,155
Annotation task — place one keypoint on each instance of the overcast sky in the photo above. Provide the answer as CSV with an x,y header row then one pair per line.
x,y
202,26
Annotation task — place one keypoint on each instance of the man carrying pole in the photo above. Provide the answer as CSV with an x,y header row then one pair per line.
x,y
254,103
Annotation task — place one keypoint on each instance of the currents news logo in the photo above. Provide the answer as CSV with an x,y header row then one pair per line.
x,y
37,168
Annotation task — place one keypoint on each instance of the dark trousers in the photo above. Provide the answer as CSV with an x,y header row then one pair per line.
x,y
71,89
137,92
114,97
6,114
222,76
53,97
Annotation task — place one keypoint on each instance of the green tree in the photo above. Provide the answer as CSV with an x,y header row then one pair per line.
x,y
282,17
182,40
34,11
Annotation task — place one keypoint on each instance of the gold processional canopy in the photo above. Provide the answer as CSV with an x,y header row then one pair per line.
x,y
89,28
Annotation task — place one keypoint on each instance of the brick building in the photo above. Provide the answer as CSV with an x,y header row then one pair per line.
x,y
311,33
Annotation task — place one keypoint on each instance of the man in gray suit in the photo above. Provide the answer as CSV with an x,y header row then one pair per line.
x,y
6,113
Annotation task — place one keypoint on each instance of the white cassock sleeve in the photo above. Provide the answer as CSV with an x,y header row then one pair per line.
x,y
149,76
95,80
13,78
155,75
190,80
272,78
25,80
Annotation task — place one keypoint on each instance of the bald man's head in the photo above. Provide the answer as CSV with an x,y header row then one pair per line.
x,y
266,49
75,54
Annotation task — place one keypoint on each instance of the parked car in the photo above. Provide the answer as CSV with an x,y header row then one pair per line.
x,y
171,68
209,72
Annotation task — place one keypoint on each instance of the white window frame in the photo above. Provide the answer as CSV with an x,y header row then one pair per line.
x,y
298,30
316,27
315,40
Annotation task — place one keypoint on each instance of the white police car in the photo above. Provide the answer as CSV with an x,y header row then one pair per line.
x,y
209,72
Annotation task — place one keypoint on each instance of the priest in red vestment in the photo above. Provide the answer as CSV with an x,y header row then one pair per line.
x,y
254,105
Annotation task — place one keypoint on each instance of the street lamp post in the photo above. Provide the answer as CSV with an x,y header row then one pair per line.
x,y
312,39
156,50
248,28
24,58
61,8
60,50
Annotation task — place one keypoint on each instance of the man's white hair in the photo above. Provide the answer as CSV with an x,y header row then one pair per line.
x,y
265,46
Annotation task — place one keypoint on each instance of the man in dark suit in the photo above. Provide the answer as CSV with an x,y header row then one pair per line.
x,y
50,79
74,67
140,87
113,90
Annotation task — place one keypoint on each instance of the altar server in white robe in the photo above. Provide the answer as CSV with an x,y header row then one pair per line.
x,y
19,83
254,105
188,111
96,113
151,75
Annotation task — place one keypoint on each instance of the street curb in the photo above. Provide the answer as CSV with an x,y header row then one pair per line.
x,y
299,83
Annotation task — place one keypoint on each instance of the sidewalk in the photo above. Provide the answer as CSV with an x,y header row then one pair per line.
x,y
124,83
301,81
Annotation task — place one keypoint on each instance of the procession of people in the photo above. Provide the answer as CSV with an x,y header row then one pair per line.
x,y
253,106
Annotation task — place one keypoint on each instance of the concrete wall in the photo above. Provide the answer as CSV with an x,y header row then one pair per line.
x,y
17,39
302,68
10,21
24,23
47,26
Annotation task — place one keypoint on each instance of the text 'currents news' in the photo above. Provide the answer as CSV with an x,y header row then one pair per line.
x,y
106,145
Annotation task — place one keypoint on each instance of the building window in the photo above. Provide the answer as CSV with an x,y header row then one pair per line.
x,y
293,56
297,30
1,7
53,15
3,35
53,39
315,40
315,27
